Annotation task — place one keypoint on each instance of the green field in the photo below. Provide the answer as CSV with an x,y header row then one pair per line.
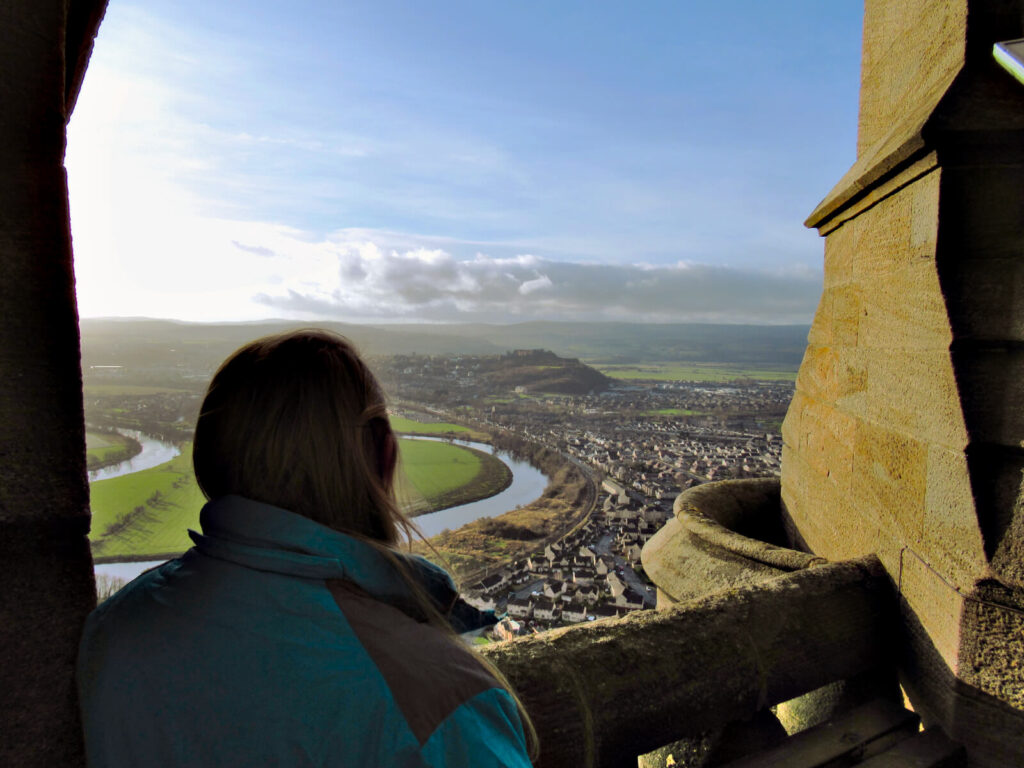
x,y
435,475
715,372
148,513
106,448
675,412
401,424
435,468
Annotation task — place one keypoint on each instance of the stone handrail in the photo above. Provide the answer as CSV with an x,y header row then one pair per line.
x,y
604,692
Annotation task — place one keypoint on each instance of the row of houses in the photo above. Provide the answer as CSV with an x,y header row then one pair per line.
x,y
576,584
547,610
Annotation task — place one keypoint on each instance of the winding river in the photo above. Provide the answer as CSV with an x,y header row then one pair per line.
x,y
528,483
154,453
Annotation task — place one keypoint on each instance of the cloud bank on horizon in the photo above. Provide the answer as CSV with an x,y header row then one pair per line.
x,y
448,162
360,280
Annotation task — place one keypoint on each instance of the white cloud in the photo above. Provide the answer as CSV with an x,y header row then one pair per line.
x,y
374,283
157,233
537,284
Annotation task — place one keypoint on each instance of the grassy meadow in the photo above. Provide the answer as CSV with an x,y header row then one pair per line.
x,y
433,469
103,448
711,372
148,513
406,426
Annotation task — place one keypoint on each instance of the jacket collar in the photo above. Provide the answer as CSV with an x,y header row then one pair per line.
x,y
268,538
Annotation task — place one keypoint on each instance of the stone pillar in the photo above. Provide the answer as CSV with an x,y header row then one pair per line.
x,y
904,436
44,496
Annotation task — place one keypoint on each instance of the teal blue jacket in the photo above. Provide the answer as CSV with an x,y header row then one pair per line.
x,y
276,641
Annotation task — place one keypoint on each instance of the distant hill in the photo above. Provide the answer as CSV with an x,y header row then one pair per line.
x,y
164,343
543,371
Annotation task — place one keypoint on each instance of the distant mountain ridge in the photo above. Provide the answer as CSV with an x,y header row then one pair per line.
x,y
635,342
109,341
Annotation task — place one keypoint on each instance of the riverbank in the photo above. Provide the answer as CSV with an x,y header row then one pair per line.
x,y
145,515
492,477
490,542
107,448
421,427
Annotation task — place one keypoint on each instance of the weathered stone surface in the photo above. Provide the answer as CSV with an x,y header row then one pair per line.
x,y
914,392
817,377
711,661
685,567
904,310
841,249
990,658
890,471
997,475
48,588
742,516
951,533
825,438
725,534
46,565
884,242
933,602
834,375
916,343
911,53
807,497
830,700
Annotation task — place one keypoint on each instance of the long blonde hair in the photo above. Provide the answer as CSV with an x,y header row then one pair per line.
x,y
298,421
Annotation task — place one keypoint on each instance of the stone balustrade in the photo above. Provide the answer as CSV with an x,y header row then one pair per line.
x,y
601,693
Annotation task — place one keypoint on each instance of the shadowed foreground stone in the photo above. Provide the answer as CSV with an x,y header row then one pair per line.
x,y
45,565
730,534
602,693
905,433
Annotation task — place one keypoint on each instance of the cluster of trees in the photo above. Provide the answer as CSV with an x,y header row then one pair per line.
x,y
138,515
129,448
168,416
566,480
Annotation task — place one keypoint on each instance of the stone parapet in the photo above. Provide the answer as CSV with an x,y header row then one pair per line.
x,y
44,497
904,436
725,534
600,693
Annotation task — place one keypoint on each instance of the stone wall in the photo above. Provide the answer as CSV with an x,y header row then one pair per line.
x,y
904,437
44,497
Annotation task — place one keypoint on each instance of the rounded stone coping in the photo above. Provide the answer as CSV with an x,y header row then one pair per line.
x,y
738,515
725,535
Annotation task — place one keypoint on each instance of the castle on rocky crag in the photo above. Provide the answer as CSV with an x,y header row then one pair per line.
x,y
886,566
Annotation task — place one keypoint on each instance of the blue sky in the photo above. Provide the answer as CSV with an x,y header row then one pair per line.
x,y
445,161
